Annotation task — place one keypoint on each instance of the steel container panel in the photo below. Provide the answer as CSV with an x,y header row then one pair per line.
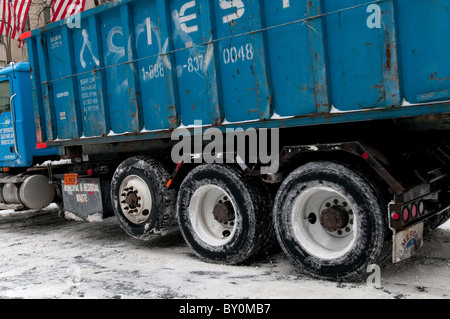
x,y
138,69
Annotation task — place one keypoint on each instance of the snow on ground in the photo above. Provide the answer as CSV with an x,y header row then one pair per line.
x,y
43,255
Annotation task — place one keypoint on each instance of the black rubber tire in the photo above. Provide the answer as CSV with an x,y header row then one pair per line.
x,y
252,204
372,244
162,216
436,221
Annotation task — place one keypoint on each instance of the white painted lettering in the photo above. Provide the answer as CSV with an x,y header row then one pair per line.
x,y
185,18
374,20
238,4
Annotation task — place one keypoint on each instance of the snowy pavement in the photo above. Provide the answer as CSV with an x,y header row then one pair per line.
x,y
43,255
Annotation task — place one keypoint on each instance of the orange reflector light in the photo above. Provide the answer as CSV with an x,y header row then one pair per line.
x,y
168,183
25,35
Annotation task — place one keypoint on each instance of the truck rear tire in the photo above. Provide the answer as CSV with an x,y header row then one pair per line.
x,y
223,216
436,221
140,199
331,221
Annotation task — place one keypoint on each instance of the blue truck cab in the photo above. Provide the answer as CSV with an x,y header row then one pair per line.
x,y
21,187
17,129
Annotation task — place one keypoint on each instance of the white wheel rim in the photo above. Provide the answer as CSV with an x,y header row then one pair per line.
x,y
206,227
135,199
312,236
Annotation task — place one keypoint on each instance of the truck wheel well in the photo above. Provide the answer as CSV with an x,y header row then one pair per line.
x,y
352,161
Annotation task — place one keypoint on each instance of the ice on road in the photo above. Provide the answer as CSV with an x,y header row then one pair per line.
x,y
43,255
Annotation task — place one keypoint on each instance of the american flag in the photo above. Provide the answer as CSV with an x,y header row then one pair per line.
x,y
13,16
61,9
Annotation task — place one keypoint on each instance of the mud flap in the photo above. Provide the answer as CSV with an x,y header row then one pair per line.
x,y
407,242
85,199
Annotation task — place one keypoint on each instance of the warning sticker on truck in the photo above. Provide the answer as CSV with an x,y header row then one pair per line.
x,y
82,196
71,179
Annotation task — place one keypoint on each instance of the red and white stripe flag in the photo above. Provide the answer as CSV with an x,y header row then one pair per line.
x,y
61,9
13,16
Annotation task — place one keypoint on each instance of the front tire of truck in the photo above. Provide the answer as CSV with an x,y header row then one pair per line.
x,y
141,201
223,215
331,221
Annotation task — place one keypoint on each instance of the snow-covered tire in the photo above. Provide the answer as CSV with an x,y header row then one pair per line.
x,y
331,221
436,221
223,216
140,199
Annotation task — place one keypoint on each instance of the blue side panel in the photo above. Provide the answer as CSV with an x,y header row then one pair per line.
x,y
122,110
424,46
293,87
157,71
60,54
242,60
90,83
196,73
357,83
137,69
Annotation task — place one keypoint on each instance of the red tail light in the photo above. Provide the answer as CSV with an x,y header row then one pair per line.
x,y
405,214
414,211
